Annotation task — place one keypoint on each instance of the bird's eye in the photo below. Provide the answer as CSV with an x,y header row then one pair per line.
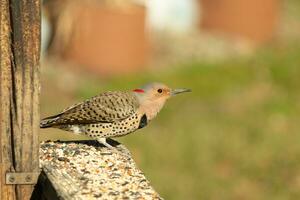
x,y
159,90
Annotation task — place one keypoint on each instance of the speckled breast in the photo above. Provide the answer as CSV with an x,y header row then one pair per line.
x,y
115,129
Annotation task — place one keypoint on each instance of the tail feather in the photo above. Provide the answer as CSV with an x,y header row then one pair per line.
x,y
49,121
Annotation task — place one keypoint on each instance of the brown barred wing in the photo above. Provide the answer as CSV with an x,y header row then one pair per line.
x,y
107,107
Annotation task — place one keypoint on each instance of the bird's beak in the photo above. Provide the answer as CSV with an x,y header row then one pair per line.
x,y
178,91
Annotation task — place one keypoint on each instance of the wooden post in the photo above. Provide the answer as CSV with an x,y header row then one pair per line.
x,y
19,96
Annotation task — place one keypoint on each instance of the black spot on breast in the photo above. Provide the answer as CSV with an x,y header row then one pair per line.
x,y
143,121
111,102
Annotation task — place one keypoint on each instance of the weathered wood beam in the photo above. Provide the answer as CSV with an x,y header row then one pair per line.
x,y
6,191
84,170
19,87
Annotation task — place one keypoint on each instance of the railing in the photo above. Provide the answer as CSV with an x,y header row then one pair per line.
x,y
85,170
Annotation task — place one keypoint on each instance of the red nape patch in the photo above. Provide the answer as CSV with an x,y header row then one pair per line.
x,y
139,90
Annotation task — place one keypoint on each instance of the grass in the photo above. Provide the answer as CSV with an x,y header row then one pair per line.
x,y
236,136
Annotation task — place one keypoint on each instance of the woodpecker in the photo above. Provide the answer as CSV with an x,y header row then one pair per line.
x,y
113,113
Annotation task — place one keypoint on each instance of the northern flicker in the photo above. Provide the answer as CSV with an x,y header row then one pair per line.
x,y
113,114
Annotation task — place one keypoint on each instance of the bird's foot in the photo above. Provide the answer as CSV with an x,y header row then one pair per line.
x,y
103,142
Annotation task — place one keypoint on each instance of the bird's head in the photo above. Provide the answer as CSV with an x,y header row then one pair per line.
x,y
154,95
157,91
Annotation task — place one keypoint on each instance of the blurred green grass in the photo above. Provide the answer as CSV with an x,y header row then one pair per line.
x,y
236,136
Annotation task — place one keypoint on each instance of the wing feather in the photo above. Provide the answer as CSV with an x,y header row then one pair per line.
x,y
106,107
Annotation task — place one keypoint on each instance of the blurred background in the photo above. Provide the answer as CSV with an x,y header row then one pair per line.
x,y
236,136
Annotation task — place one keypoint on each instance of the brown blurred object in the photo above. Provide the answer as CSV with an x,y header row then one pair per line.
x,y
105,38
254,20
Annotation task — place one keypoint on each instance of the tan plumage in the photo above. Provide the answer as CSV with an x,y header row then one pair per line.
x,y
106,107
112,114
